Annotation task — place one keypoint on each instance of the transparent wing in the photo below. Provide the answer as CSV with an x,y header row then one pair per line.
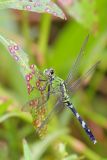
x,y
57,108
40,101
38,110
75,85
76,64
35,103
39,113
38,118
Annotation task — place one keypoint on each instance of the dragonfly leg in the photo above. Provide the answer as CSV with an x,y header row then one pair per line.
x,y
40,87
32,88
48,92
43,88
42,80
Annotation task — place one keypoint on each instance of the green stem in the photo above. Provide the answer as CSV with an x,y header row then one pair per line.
x,y
12,139
26,31
44,34
82,148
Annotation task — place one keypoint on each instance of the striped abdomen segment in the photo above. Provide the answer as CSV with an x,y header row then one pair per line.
x,y
83,124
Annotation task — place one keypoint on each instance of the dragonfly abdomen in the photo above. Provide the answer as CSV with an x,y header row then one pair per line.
x,y
83,124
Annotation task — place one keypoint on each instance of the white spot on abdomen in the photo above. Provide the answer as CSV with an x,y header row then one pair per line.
x,y
77,115
83,124
95,141
88,130
71,106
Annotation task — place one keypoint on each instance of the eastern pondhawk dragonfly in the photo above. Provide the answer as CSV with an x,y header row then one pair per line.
x,y
46,83
49,84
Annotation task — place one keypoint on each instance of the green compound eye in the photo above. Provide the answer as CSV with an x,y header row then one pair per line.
x,y
52,71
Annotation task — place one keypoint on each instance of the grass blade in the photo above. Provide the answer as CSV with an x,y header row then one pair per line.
x,y
27,153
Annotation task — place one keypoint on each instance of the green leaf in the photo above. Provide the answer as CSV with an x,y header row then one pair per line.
x,y
83,12
17,53
21,115
4,106
22,60
41,6
40,147
27,153
71,157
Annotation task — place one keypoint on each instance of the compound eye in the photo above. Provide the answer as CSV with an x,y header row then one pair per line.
x,y
52,72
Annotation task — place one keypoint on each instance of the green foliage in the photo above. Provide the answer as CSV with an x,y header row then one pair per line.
x,y
27,153
73,157
40,147
17,53
40,7
81,11
51,42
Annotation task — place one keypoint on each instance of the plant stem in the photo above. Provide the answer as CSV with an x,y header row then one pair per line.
x,y
44,35
82,148
26,30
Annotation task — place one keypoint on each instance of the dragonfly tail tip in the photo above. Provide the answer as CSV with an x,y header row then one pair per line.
x,y
94,141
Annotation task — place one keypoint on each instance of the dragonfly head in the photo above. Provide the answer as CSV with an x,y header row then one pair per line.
x,y
49,72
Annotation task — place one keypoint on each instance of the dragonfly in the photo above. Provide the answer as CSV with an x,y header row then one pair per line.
x,y
48,83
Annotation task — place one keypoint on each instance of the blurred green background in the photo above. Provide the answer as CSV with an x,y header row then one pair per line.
x,y
52,42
